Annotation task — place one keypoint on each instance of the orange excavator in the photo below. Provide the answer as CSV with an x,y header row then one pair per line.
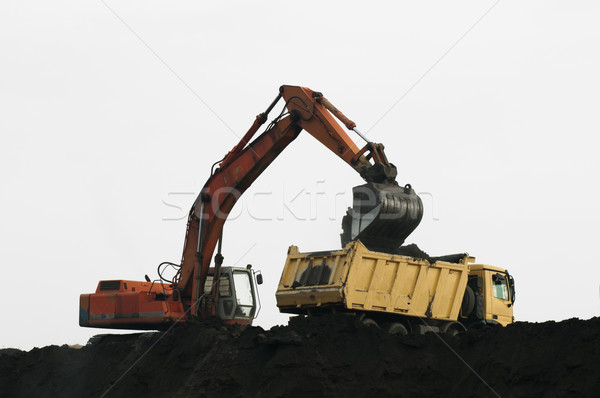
x,y
383,215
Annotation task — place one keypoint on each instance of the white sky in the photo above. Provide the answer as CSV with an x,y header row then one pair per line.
x,y
97,133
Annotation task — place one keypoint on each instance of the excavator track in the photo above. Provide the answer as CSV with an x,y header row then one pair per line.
x,y
382,216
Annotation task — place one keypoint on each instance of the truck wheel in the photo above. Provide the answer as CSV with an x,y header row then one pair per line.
x,y
468,303
397,328
454,329
369,322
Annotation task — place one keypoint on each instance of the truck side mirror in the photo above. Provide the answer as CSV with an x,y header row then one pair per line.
x,y
259,279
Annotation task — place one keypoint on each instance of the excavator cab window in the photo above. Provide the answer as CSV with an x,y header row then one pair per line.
x,y
244,295
500,287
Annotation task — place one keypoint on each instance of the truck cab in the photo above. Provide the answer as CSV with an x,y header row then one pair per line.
x,y
494,295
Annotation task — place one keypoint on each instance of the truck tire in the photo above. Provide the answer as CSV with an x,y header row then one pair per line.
x,y
397,328
453,329
370,323
468,303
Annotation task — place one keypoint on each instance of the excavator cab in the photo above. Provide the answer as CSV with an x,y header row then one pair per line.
x,y
236,295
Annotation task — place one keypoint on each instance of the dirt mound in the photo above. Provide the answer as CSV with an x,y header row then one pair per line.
x,y
332,356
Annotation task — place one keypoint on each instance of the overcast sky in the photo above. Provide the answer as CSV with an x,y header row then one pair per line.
x,y
111,114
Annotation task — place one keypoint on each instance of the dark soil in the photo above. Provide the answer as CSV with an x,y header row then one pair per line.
x,y
332,356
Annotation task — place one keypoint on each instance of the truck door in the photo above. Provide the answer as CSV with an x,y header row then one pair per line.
x,y
500,303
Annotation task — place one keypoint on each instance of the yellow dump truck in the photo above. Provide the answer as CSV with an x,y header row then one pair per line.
x,y
404,294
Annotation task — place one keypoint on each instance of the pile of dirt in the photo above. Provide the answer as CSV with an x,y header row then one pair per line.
x,y
334,356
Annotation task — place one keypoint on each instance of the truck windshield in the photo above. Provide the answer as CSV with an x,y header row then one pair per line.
x,y
243,294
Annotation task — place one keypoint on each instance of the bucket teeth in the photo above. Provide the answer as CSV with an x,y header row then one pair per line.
x,y
382,216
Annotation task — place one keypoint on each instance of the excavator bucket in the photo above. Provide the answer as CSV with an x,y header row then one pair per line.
x,y
382,217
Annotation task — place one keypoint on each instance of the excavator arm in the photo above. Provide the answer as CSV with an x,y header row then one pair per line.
x,y
304,110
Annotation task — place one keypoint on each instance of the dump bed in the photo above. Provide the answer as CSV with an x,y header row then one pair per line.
x,y
358,279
